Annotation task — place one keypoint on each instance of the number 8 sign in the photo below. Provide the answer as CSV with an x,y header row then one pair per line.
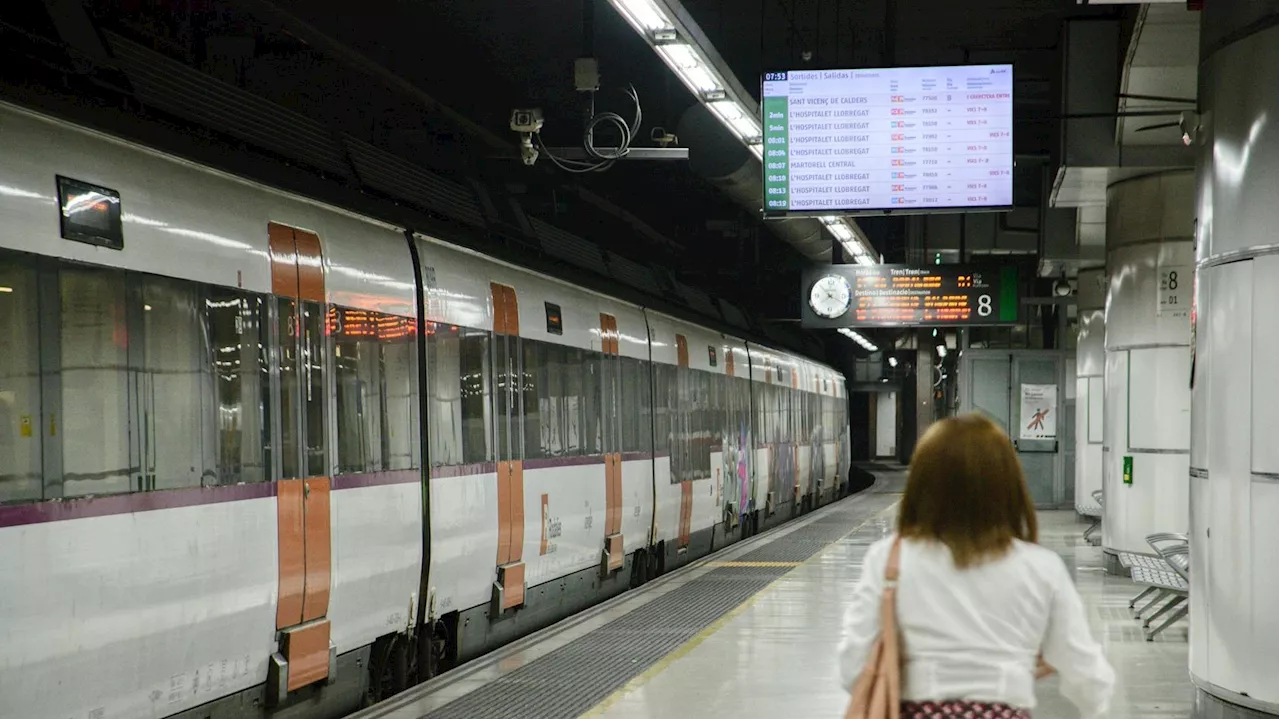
x,y
1174,293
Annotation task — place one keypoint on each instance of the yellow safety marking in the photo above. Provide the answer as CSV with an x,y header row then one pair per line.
x,y
684,649
751,564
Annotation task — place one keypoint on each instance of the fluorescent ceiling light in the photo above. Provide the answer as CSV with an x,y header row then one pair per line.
x,y
866,260
731,114
643,15
758,150
842,233
684,61
6,289
865,343
853,249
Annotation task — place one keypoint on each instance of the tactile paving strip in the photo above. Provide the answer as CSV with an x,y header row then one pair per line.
x,y
572,679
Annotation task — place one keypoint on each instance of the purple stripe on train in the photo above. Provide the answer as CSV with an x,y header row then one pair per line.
x,y
59,510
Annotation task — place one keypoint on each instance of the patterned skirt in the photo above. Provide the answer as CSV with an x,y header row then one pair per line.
x,y
961,710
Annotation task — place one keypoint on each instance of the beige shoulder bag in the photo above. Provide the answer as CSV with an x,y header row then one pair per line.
x,y
877,691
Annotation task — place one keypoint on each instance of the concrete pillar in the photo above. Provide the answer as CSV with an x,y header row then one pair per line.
x,y
1147,400
1234,426
1091,301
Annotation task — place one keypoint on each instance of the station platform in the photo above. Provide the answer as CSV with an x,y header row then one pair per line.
x,y
754,629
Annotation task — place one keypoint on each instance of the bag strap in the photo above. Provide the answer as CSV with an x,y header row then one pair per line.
x,y
891,567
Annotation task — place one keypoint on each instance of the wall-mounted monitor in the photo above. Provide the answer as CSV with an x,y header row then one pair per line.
x,y
890,140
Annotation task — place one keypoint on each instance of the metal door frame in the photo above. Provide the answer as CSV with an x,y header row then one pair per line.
x,y
1060,357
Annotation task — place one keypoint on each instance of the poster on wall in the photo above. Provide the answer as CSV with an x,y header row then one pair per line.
x,y
1039,415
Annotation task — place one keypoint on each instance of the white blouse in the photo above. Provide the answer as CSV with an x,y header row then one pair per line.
x,y
973,634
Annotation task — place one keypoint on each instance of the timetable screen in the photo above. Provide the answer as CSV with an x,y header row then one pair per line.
x,y
910,139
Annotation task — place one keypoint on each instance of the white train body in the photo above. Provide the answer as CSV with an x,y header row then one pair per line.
x,y
215,440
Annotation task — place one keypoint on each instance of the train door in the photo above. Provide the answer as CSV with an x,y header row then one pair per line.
x,y
611,426
300,461
508,400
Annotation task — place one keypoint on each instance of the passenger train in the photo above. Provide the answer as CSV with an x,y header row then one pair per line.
x,y
260,456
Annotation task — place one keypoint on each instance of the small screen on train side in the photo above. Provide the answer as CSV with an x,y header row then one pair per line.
x,y
90,213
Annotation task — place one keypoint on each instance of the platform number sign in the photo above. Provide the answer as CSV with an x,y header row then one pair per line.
x,y
1174,294
984,305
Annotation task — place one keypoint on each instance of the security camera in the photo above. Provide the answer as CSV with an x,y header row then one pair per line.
x,y
529,120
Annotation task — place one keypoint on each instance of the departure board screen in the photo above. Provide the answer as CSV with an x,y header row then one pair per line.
x,y
900,140
899,295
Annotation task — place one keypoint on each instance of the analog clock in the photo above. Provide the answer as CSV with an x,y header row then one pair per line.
x,y
830,296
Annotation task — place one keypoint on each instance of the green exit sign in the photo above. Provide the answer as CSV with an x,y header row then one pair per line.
x,y
1128,470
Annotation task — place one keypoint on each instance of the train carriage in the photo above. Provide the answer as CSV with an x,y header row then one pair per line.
x,y
261,456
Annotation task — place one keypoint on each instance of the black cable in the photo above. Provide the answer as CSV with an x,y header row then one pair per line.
x,y
604,157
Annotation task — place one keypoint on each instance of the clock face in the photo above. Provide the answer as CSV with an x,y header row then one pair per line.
x,y
830,296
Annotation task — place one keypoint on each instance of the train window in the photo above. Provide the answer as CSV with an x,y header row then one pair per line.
x,y
314,386
460,394
122,382
173,384
21,425
572,364
90,214
592,390
290,387
535,389
376,398
242,383
662,375
637,407
99,416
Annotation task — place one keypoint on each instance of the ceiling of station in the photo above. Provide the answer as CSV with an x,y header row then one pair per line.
x,y
434,83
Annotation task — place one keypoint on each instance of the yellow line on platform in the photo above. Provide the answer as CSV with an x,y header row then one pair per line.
x,y
752,564
684,649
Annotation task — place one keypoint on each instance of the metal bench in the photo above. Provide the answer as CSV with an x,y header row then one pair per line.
x,y
1094,513
1165,575
1154,562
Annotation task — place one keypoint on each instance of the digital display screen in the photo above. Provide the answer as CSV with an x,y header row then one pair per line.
x,y
902,140
90,213
898,295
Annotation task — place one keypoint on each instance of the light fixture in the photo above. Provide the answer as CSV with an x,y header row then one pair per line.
x,y
701,69
735,118
893,361
845,235
6,289
865,343
942,351
695,73
849,237
643,15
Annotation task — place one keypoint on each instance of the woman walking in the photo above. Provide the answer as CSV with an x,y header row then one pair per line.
x,y
980,609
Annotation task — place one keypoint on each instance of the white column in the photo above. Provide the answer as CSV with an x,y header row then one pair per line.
x,y
1235,432
1091,300
1147,424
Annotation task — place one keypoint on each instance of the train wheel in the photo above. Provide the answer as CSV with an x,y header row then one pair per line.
x,y
639,568
388,668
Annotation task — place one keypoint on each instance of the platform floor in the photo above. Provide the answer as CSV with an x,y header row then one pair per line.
x,y
753,631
